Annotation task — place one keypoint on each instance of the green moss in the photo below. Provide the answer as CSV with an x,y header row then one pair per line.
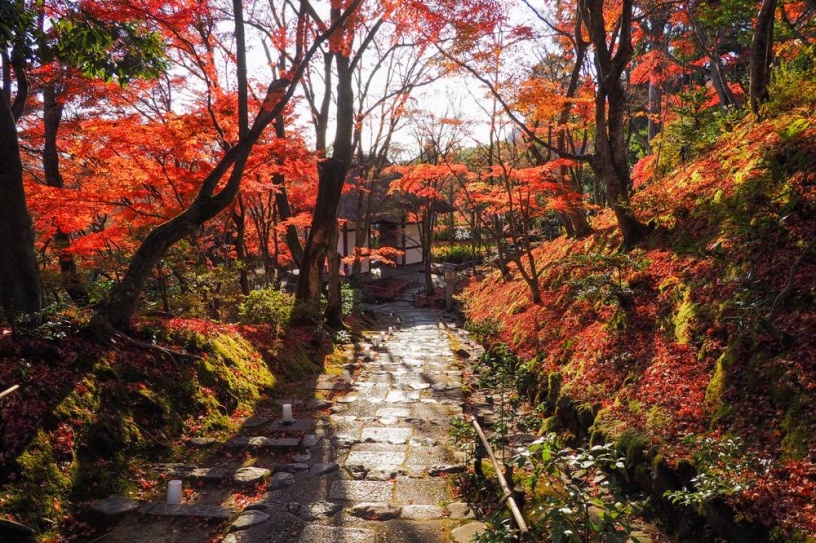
x,y
632,445
586,414
554,381
658,420
617,323
795,429
684,319
718,384
237,367
549,424
608,425
82,404
45,480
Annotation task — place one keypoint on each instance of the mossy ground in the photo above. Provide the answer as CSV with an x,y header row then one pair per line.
x,y
673,339
88,419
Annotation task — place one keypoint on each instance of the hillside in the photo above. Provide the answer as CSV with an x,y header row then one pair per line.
x,y
696,351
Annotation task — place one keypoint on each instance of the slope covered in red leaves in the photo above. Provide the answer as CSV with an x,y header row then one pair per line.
x,y
706,330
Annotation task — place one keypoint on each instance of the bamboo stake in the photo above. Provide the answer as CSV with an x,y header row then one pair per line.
x,y
8,391
508,494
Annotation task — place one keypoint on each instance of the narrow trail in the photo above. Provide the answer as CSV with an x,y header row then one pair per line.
x,y
375,470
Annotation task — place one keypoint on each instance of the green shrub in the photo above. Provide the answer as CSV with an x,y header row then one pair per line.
x,y
454,254
353,299
793,83
267,306
575,498
484,330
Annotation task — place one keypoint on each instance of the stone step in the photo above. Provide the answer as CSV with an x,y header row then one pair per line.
x,y
212,512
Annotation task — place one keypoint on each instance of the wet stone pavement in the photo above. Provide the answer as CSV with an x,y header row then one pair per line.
x,y
379,466
376,469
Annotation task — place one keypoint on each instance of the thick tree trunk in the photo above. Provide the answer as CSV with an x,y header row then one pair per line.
x,y
332,175
20,286
342,153
762,55
52,116
330,185
123,299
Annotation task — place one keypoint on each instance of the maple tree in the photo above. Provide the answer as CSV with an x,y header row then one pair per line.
x,y
212,199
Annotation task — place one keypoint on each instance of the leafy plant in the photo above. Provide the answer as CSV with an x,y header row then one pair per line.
x,y
352,299
455,254
463,436
483,330
723,466
603,276
266,306
790,82
499,530
576,500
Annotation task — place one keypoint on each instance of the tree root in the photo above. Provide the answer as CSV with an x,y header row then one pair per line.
x,y
104,333
766,322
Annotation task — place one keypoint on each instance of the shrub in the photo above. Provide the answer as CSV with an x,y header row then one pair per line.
x,y
790,83
484,330
455,254
576,499
266,306
353,299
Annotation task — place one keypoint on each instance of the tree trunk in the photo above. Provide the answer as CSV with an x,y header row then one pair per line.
x,y
123,299
52,116
610,161
239,220
334,308
363,222
330,185
762,55
282,202
20,288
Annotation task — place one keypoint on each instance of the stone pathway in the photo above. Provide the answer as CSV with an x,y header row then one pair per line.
x,y
375,470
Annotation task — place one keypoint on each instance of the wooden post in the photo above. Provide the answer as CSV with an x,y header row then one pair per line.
x,y
450,283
